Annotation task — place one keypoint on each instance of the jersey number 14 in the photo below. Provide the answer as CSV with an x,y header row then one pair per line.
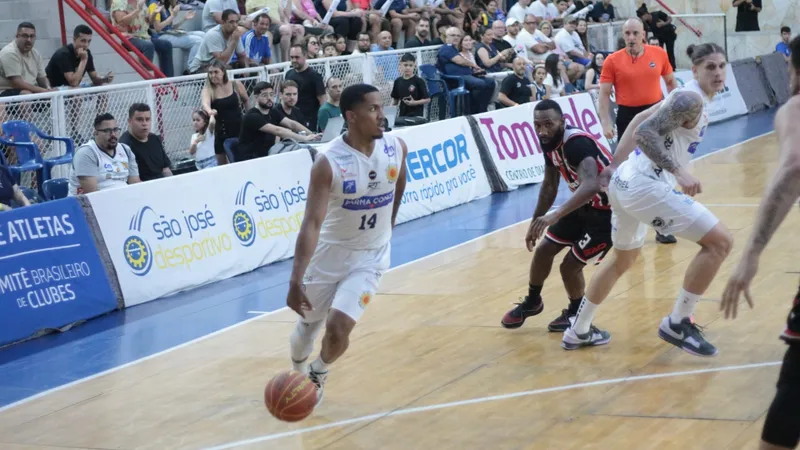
x,y
368,221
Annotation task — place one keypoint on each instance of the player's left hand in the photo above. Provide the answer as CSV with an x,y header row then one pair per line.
x,y
604,179
739,283
298,301
537,227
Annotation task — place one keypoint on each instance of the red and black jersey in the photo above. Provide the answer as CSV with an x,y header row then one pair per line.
x,y
576,146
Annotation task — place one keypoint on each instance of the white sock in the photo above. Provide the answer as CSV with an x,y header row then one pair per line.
x,y
301,343
684,306
584,318
319,365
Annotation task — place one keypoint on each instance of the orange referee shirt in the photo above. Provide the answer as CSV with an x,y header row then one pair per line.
x,y
636,80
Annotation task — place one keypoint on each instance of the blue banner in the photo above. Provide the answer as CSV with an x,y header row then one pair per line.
x,y
51,274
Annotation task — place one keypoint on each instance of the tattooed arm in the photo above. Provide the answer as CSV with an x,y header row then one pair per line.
x,y
680,108
547,191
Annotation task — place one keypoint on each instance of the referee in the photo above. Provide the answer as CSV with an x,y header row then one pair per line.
x,y
634,73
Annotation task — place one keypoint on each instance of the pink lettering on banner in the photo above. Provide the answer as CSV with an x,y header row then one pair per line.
x,y
511,141
584,120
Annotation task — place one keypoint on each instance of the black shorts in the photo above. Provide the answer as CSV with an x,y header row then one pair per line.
x,y
587,230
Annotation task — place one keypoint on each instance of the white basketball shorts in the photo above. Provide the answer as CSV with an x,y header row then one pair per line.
x,y
343,279
639,200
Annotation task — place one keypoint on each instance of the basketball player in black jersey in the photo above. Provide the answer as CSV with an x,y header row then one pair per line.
x,y
582,223
782,426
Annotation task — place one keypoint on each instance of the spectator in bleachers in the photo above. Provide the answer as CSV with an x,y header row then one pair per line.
x,y
409,90
538,45
373,22
306,13
70,63
288,109
384,42
602,12
747,14
363,44
492,14
488,57
223,99
311,47
468,16
202,147
556,77
544,10
341,46
449,61
422,35
331,107
541,91
102,163
519,11
213,14
583,33
660,24
569,42
21,67
448,16
329,50
285,29
262,123
400,18
652,40
499,29
220,43
783,46
346,20
256,41
516,41
515,89
132,19
11,196
167,26
466,47
310,88
592,79
147,147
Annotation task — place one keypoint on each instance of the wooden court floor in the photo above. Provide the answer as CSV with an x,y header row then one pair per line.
x,y
430,367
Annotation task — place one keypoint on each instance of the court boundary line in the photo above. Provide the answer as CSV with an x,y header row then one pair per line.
x,y
490,398
248,320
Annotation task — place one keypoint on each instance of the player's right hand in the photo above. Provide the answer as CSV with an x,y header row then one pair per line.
x,y
604,179
530,237
297,300
689,184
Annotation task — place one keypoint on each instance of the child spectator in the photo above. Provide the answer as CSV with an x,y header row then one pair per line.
x,y
409,90
202,147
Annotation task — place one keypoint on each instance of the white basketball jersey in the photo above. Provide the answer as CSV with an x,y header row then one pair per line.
x,y
362,194
681,143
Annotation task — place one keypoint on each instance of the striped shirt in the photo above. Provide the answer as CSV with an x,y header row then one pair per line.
x,y
576,146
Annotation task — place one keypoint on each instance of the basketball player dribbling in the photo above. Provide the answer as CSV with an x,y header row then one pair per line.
x,y
642,193
343,247
582,223
782,425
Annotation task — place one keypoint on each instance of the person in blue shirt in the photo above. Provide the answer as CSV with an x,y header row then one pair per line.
x,y
256,41
450,62
783,45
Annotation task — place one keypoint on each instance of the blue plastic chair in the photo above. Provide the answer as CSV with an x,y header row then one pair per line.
x,y
230,145
20,131
55,188
28,159
437,82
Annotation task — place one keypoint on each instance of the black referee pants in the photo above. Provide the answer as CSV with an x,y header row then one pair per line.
x,y
625,115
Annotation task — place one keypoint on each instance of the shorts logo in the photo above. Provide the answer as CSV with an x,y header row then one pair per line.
x,y
364,300
658,222
349,186
392,173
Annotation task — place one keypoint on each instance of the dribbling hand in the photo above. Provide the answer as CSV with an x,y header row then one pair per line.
x,y
689,184
298,301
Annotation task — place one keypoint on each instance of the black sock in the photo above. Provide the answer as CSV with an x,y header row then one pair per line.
x,y
574,304
534,295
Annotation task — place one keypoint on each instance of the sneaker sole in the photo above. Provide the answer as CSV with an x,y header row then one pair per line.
x,y
571,346
678,343
512,326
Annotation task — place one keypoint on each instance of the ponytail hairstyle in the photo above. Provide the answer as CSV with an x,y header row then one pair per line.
x,y
697,53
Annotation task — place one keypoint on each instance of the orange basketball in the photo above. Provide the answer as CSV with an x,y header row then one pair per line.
x,y
290,396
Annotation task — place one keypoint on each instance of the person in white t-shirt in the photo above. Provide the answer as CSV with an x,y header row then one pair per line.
x,y
544,10
538,45
202,147
513,38
570,43
519,11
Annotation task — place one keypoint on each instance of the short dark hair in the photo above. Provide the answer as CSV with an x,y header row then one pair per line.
x,y
697,53
353,96
100,118
262,16
547,105
408,57
138,107
26,25
786,29
262,86
794,46
81,29
289,83
227,13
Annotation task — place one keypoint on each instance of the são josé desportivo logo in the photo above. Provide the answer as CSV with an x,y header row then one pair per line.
x,y
246,229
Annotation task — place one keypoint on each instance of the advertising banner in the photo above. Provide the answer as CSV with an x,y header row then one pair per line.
x,y
512,142
51,274
443,168
726,104
213,224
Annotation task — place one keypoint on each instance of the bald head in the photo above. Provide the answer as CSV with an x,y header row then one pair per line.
x,y
633,32
633,23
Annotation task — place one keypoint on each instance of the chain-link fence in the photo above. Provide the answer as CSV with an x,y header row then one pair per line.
x,y
71,112
603,37
698,29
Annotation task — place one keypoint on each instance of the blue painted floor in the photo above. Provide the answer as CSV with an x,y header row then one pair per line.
x,y
125,336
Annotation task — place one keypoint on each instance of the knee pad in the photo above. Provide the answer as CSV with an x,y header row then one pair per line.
x,y
301,342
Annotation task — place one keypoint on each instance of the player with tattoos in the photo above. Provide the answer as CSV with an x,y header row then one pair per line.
x,y
641,189
782,425
582,223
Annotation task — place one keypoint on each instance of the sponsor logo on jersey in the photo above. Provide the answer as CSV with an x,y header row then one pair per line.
x,y
373,174
392,173
364,300
389,150
368,202
349,186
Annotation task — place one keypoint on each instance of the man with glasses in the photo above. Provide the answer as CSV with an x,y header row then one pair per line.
x,y
21,67
103,162
449,61
331,108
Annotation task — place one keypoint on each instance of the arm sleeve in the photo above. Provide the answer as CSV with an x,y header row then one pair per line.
x,y
85,163
133,166
167,161
12,66
422,88
320,86
395,89
507,87
665,64
607,74
579,148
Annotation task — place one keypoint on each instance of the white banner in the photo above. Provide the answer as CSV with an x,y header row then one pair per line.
x,y
726,104
172,234
443,168
512,141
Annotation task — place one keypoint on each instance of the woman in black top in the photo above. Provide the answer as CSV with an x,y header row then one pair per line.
x,y
487,55
223,99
